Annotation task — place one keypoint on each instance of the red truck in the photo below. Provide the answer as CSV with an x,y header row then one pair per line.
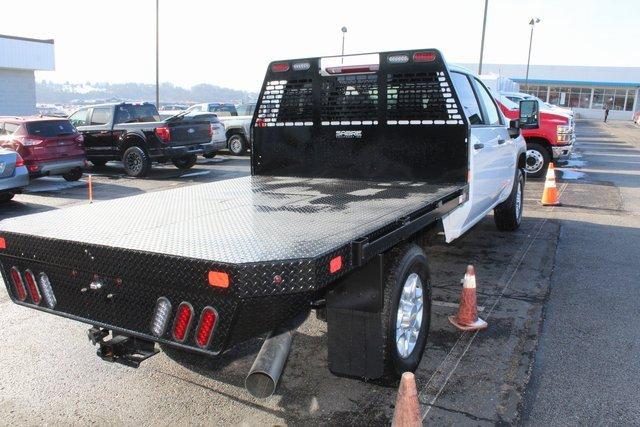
x,y
552,140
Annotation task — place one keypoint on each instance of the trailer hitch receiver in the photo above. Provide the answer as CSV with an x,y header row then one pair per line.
x,y
123,349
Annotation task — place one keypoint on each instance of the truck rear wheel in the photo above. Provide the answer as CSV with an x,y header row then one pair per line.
x,y
406,311
508,214
210,155
538,159
5,197
185,162
237,145
137,162
73,175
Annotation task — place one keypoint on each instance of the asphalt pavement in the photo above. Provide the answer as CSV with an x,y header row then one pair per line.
x,y
586,367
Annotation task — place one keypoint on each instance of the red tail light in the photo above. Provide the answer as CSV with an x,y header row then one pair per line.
x,y
335,264
33,168
260,123
205,326
183,321
424,56
18,284
33,286
280,68
3,243
164,133
19,160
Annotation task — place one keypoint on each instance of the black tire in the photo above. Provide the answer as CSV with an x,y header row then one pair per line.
x,y
73,175
508,214
210,155
99,163
538,158
237,144
5,197
406,260
136,161
185,162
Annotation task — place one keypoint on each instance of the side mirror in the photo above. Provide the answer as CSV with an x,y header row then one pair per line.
x,y
514,128
529,114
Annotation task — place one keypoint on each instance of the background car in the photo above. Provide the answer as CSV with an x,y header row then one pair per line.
x,y
49,146
218,138
14,175
519,96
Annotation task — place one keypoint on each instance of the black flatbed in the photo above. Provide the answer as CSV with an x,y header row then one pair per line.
x,y
245,220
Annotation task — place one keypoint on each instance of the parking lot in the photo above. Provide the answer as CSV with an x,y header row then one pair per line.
x,y
520,368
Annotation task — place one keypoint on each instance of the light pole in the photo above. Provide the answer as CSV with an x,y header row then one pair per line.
x,y
484,27
533,22
158,54
344,31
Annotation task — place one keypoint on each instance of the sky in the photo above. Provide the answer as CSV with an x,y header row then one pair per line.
x,y
230,43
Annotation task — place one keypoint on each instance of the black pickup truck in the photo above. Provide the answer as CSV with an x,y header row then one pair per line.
x,y
133,133
353,169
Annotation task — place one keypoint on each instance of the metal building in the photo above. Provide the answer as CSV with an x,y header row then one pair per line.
x,y
20,57
584,89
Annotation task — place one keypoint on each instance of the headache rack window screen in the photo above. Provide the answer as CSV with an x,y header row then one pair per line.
x,y
420,98
349,100
287,103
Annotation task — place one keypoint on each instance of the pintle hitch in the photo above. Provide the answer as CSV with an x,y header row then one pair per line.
x,y
123,349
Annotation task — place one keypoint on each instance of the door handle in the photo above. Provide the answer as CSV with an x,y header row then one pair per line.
x,y
501,141
478,146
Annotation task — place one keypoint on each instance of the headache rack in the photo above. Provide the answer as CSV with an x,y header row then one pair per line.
x,y
396,118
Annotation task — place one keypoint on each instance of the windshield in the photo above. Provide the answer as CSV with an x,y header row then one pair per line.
x,y
130,113
51,128
508,103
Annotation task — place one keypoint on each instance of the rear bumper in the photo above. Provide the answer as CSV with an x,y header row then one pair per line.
x,y
184,150
133,281
15,183
58,167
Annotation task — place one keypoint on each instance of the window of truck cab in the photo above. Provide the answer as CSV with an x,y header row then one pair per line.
x,y
491,113
79,118
101,116
468,98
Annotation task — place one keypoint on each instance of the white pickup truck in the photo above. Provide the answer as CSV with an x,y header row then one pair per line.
x,y
353,167
236,121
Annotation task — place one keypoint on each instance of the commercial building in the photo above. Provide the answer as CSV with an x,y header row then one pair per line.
x,y
19,59
584,89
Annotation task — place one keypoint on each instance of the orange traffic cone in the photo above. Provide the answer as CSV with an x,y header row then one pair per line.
x,y
407,412
467,318
550,196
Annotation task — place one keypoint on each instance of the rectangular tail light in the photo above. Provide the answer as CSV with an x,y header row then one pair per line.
x,y
32,285
181,325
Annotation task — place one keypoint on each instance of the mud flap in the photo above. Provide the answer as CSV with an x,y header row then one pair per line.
x,y
354,322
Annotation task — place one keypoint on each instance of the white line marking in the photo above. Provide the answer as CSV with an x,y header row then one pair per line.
x,y
443,373
187,175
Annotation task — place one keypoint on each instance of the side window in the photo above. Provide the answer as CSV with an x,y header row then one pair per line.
x,y
101,116
493,117
10,128
462,85
79,118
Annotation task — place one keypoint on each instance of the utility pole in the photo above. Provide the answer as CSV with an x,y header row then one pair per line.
x,y
484,28
158,54
344,31
533,22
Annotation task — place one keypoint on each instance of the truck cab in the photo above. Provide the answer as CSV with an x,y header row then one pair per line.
x,y
551,141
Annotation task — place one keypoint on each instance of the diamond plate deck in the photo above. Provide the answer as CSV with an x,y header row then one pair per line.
x,y
244,220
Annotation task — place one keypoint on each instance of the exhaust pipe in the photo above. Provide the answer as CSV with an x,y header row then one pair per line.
x,y
265,373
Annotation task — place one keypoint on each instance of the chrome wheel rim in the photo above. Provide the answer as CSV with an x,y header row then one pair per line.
x,y
409,316
519,201
236,145
535,161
